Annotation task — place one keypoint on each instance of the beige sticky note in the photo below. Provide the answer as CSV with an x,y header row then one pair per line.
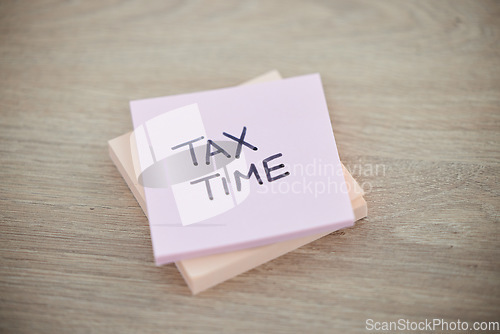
x,y
205,272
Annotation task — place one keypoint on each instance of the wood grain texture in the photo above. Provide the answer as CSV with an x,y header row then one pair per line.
x,y
413,87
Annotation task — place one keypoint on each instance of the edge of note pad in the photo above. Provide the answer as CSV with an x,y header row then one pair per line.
x,y
205,272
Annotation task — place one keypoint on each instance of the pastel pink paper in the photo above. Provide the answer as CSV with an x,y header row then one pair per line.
x,y
292,109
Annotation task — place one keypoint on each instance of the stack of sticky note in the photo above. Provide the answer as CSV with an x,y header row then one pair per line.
x,y
235,177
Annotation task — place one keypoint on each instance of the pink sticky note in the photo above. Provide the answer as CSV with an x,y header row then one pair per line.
x,y
205,272
271,171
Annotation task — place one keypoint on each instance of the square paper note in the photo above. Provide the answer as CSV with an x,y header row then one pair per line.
x,y
239,167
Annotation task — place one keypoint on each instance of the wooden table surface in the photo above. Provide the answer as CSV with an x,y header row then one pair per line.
x,y
414,94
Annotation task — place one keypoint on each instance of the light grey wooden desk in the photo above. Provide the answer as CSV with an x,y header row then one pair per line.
x,y
413,88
